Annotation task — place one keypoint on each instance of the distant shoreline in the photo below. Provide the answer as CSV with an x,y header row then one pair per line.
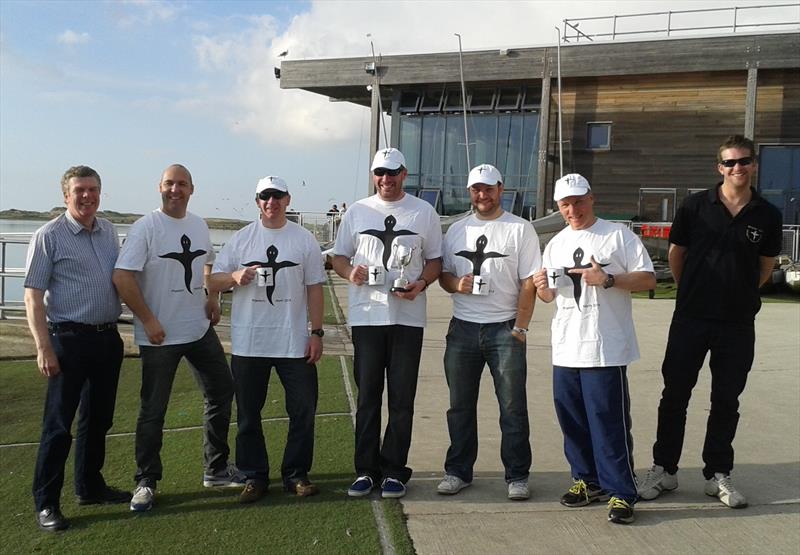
x,y
111,215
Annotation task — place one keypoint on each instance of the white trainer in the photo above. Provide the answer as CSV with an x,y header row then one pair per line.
x,y
722,487
451,485
518,490
655,481
143,498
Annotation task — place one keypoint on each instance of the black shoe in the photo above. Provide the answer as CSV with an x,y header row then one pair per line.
x,y
620,511
108,496
50,519
581,494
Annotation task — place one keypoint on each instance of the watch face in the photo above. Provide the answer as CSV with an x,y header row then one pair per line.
x,y
318,333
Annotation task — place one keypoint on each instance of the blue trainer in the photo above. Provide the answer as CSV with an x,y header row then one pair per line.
x,y
392,489
361,487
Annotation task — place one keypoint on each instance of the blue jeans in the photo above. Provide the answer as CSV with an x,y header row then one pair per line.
x,y
594,410
299,380
393,352
210,367
90,364
470,346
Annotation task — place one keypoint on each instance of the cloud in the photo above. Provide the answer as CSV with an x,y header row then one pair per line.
x,y
251,96
71,38
146,12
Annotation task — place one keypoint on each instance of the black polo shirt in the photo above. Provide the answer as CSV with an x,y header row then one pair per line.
x,y
721,273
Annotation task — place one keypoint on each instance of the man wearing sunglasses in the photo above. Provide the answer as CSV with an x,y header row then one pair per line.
x,y
276,270
160,274
723,245
377,236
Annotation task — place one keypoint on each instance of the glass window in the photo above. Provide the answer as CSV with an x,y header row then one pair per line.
x,y
410,134
409,102
533,99
455,158
453,102
431,102
509,143
508,99
530,149
598,135
432,156
481,99
483,135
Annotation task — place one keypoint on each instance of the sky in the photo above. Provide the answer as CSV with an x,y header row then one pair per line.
x,y
132,86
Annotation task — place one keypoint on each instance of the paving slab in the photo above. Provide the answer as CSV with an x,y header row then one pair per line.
x,y
481,520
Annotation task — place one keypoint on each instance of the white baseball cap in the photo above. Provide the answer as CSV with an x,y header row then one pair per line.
x,y
571,185
272,182
486,174
389,158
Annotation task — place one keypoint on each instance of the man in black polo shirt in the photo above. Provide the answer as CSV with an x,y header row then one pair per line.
x,y
723,245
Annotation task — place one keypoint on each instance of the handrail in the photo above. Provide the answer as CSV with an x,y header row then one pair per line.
x,y
572,32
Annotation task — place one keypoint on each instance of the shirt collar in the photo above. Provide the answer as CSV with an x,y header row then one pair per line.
x,y
713,195
76,227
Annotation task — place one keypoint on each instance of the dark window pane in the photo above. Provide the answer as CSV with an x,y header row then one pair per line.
x,y
509,143
454,101
508,99
482,99
598,136
483,133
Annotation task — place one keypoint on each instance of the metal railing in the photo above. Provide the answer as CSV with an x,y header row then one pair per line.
x,y
322,225
773,15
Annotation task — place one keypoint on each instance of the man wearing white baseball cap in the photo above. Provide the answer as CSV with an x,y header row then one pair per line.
x,y
276,271
489,260
590,268
389,248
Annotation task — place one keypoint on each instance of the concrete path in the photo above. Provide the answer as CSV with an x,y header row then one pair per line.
x,y
481,520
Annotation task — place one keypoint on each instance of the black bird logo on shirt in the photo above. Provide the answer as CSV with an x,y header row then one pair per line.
x,y
479,255
185,257
272,262
387,235
577,283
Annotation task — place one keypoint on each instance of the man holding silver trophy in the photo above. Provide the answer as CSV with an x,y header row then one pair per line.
x,y
489,260
389,248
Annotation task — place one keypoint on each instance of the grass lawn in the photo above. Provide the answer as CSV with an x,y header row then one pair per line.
x,y
188,517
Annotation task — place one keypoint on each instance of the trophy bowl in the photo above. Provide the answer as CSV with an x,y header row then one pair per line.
x,y
401,260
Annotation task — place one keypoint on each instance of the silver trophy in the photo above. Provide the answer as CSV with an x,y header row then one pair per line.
x,y
401,258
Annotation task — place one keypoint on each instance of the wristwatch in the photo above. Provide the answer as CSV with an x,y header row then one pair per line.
x,y
609,282
318,332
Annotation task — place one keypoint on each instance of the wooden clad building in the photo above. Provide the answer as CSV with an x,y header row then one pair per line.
x,y
641,120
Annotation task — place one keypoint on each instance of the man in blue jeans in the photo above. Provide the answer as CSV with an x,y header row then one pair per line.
x,y
160,275
72,311
489,258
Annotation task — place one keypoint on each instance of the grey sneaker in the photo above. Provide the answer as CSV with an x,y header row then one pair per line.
x,y
143,498
655,481
518,490
450,485
228,477
721,486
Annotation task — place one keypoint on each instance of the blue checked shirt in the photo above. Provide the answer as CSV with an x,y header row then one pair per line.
x,y
74,267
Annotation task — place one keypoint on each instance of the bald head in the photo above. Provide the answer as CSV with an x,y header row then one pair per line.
x,y
174,167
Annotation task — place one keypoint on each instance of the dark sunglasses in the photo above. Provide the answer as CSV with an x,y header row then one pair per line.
x,y
380,172
268,194
741,161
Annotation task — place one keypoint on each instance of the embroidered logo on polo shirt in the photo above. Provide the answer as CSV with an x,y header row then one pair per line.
x,y
754,234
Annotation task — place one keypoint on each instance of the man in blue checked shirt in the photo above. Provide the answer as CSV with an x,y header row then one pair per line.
x,y
72,309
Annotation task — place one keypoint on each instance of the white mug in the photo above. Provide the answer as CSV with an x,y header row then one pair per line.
x,y
265,277
480,285
376,275
553,276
